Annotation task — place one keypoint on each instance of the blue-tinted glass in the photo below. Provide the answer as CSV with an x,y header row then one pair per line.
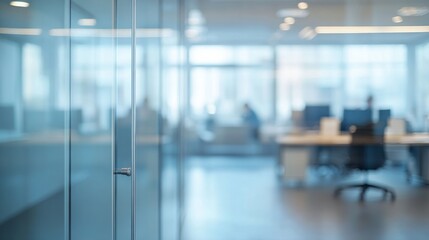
x,y
33,133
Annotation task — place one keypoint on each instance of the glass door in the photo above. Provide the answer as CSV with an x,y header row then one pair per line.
x,y
89,132
115,89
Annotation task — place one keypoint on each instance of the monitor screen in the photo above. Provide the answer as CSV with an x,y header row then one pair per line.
x,y
314,113
356,117
384,115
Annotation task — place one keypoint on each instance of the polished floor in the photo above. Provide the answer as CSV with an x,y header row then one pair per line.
x,y
241,198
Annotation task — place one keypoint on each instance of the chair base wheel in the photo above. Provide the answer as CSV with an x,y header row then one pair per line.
x,y
364,187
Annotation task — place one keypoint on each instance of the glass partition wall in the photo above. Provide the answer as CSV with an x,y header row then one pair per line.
x,y
102,101
89,119
34,135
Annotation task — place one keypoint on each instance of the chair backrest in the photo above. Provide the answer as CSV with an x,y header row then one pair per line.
x,y
367,148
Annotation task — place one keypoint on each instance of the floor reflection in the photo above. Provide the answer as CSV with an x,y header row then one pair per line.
x,y
238,198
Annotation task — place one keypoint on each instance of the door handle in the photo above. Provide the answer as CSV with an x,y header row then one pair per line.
x,y
123,171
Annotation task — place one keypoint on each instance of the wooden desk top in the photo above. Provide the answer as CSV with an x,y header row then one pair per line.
x,y
311,139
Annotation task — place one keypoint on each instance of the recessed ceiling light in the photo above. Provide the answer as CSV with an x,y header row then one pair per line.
x,y
87,22
19,4
397,19
284,26
289,20
302,5
196,17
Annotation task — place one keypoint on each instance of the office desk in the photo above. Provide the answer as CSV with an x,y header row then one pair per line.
x,y
296,150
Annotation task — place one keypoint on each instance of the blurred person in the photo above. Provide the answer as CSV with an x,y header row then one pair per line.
x,y
210,119
210,123
251,119
369,102
370,105
206,132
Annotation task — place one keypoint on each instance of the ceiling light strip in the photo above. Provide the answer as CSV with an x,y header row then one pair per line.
x,y
21,4
370,29
140,32
21,31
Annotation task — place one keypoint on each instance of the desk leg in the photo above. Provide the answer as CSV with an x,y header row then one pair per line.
x,y
421,156
424,165
294,161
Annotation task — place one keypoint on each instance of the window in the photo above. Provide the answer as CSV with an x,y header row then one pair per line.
x,y
342,77
223,78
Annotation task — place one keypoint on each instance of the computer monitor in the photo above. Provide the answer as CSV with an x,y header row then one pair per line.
x,y
384,115
356,117
383,118
7,118
313,114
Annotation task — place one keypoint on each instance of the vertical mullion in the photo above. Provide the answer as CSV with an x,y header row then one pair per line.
x,y
181,144
133,119
113,116
67,125
274,62
160,118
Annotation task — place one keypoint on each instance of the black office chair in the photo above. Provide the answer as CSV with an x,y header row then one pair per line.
x,y
366,153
